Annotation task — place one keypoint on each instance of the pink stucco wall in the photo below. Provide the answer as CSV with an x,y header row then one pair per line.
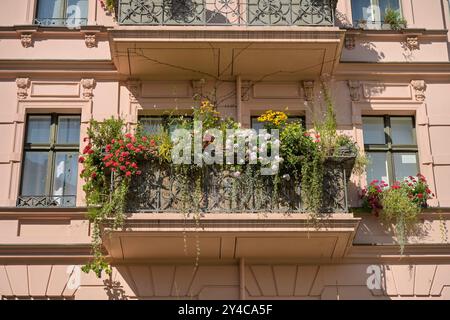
x,y
387,76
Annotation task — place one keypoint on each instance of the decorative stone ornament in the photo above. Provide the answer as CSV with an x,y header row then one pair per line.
x,y
26,39
308,88
350,42
134,88
88,88
420,87
354,87
22,87
412,42
91,40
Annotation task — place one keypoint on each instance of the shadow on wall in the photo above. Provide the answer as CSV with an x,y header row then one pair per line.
x,y
371,53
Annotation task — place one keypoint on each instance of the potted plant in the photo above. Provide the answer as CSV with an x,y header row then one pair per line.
x,y
362,24
393,20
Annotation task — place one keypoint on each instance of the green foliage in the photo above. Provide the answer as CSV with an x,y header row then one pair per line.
x,y
394,19
400,210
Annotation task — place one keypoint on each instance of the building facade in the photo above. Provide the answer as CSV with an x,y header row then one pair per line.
x,y
65,62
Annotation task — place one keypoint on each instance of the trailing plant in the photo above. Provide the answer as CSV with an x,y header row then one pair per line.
x,y
398,204
394,19
109,160
400,210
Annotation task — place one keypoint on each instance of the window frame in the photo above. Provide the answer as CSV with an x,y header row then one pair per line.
x,y
376,25
51,148
83,21
165,118
389,148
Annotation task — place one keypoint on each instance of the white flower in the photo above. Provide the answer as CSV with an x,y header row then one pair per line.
x,y
287,177
237,174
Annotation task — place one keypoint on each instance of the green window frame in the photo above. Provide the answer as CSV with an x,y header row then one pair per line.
x,y
401,159
50,160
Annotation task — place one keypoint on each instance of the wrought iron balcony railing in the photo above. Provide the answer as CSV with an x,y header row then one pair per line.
x,y
227,12
61,22
67,201
159,189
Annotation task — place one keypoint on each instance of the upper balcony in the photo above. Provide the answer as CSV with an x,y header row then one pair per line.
x,y
227,12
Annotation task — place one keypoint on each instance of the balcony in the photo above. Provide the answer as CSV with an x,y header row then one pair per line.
x,y
227,12
159,190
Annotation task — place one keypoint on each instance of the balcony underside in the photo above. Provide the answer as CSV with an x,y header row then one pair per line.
x,y
231,236
268,53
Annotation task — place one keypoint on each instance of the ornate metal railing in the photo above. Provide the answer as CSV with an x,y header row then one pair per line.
x,y
46,201
61,22
161,189
227,12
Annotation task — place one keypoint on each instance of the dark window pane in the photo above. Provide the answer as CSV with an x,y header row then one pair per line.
x,y
50,9
34,173
38,129
373,129
65,173
68,130
152,125
378,167
405,165
361,10
402,131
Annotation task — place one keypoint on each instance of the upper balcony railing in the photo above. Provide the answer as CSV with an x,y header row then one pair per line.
x,y
227,12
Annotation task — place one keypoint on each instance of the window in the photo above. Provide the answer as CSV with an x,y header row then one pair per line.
x,y
50,162
70,13
260,125
372,11
154,124
390,144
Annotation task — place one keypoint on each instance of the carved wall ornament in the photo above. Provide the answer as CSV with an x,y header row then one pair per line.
x,y
350,42
355,90
412,42
22,87
88,88
197,86
308,88
26,39
246,87
134,87
420,87
91,40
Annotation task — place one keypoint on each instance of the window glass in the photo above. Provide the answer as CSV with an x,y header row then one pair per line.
x,y
50,9
68,130
76,12
402,131
151,125
65,173
373,129
405,165
34,173
361,10
378,167
372,11
38,128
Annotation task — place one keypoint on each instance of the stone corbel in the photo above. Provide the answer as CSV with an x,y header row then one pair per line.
x,y
26,38
350,42
246,87
412,42
355,90
23,84
90,39
308,89
88,88
197,87
419,87
134,87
